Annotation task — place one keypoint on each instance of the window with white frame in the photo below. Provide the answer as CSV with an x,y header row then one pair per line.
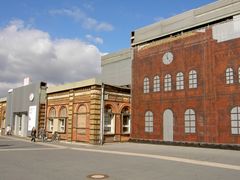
x,y
125,114
239,74
148,121
193,79
156,84
109,121
190,121
52,115
229,76
146,85
235,120
62,119
180,81
167,82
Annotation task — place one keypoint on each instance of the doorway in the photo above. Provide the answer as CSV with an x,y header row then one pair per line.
x,y
168,125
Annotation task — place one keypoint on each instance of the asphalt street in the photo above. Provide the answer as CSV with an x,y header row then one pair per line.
x,y
21,159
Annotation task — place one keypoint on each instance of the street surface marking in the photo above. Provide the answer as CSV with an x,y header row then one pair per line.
x,y
168,158
29,149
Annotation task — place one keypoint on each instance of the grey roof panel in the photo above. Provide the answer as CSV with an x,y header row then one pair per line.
x,y
206,14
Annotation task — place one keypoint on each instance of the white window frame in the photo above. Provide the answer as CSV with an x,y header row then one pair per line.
x,y
193,79
128,125
110,118
190,121
148,121
229,76
156,84
50,124
180,81
239,74
61,126
235,120
146,85
167,82
52,116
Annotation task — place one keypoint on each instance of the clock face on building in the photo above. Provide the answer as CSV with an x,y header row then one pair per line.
x,y
31,97
167,58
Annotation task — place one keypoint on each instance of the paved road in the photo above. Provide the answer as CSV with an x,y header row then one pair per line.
x,y
22,160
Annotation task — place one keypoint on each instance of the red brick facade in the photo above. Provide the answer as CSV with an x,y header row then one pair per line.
x,y
212,100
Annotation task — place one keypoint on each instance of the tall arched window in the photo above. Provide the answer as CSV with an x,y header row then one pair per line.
x,y
229,76
146,85
167,82
190,121
125,115
235,120
109,121
51,117
62,119
193,79
148,121
180,81
81,119
156,84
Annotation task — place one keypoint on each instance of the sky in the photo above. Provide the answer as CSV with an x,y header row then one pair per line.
x,y
61,41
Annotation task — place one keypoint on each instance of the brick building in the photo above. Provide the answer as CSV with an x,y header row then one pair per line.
x,y
74,111
3,102
186,77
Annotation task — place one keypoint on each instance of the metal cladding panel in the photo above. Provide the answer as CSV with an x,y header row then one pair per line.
x,y
21,95
206,14
117,73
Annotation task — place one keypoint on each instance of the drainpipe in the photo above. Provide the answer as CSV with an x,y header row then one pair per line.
x,y
102,116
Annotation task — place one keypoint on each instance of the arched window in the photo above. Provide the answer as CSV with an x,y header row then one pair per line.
x,y
229,76
125,114
193,79
82,119
156,84
62,119
148,121
190,121
51,117
109,121
146,85
235,120
180,81
167,82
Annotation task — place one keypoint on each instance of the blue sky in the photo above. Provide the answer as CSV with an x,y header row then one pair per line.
x,y
53,16
60,41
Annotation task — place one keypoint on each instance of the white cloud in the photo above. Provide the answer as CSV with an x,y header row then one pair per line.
x,y
31,52
96,40
86,21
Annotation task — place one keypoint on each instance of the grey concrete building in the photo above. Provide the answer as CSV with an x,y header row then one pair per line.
x,y
25,108
116,68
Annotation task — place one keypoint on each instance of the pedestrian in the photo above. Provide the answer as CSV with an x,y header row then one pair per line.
x,y
33,134
8,129
42,134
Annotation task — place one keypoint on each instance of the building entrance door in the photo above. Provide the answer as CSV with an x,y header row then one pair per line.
x,y
168,125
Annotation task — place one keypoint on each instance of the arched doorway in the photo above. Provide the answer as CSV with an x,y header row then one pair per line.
x,y
168,125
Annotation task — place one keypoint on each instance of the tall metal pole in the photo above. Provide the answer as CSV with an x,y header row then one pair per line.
x,y
102,116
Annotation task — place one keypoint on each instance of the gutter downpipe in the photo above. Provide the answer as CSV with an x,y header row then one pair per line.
x,y
102,116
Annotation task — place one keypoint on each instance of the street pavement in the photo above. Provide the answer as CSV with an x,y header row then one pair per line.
x,y
21,159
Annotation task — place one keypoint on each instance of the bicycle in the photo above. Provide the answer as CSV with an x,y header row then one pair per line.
x,y
55,137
